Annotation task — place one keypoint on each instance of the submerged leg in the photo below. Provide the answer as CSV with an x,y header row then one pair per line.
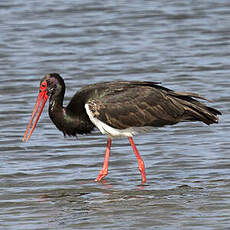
x,y
141,164
104,170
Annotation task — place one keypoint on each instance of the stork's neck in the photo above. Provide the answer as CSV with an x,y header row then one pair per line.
x,y
56,110
56,103
66,121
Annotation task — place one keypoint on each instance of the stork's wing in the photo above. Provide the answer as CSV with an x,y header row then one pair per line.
x,y
136,107
124,104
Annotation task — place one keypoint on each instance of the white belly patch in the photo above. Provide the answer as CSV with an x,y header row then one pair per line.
x,y
110,131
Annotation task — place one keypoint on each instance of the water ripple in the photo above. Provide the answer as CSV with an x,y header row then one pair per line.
x,y
48,183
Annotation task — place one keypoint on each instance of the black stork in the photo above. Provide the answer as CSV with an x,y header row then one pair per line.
x,y
117,109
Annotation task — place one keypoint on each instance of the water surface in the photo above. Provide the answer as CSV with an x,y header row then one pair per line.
x,y
48,183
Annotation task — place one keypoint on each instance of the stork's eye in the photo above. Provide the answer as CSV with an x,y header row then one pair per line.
x,y
43,85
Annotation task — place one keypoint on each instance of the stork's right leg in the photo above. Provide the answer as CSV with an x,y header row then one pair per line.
x,y
141,164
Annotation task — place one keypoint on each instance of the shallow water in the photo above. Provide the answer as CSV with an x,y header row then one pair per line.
x,y
48,183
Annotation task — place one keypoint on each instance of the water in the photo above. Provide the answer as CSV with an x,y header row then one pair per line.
x,y
48,183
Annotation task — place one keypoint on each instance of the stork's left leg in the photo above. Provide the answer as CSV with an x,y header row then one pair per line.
x,y
141,164
104,170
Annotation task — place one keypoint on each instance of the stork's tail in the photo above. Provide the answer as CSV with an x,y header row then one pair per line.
x,y
195,110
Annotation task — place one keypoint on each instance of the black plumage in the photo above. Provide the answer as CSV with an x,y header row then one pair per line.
x,y
121,105
124,104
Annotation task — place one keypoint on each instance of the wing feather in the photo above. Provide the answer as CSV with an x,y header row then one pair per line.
x,y
135,107
125,104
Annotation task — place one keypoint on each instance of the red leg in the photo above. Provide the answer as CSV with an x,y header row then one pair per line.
x,y
141,164
104,170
